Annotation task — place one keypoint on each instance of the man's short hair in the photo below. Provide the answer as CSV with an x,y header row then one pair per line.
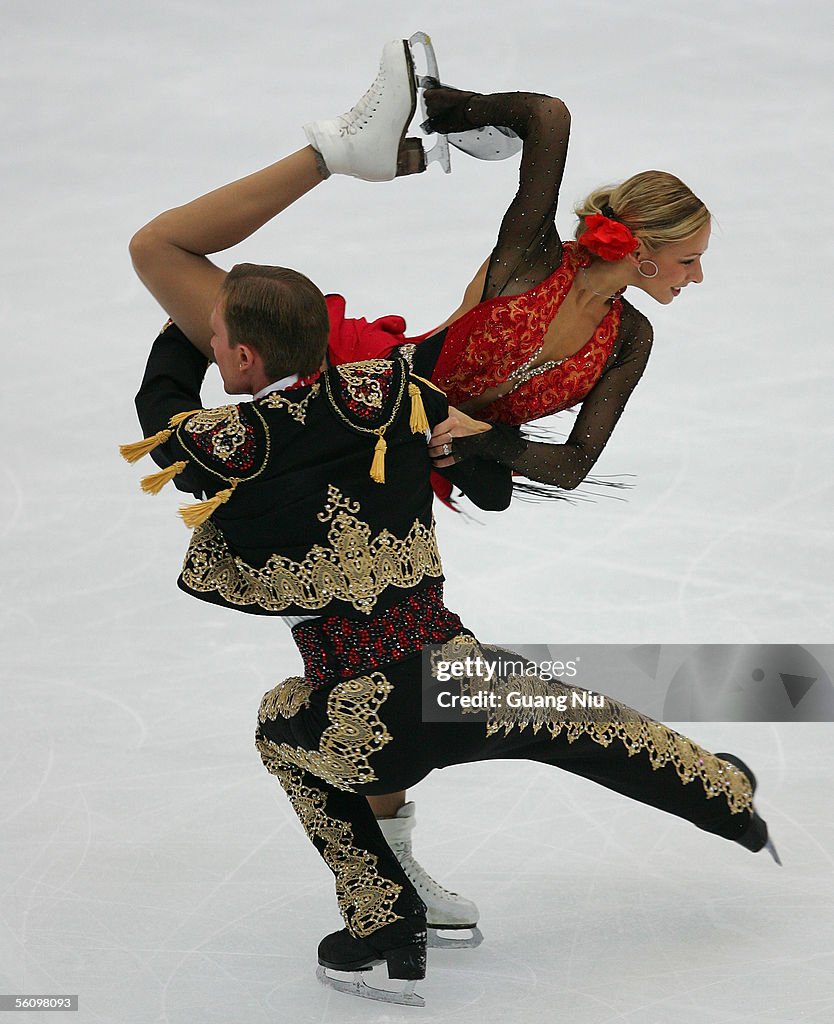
x,y
280,313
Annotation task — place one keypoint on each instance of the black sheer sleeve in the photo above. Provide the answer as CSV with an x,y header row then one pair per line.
x,y
528,249
486,482
566,465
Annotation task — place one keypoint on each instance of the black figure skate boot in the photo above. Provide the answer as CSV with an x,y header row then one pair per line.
x,y
755,836
401,946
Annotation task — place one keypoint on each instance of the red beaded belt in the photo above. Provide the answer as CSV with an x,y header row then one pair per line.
x,y
337,648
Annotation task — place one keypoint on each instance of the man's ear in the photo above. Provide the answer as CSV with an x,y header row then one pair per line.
x,y
250,364
248,358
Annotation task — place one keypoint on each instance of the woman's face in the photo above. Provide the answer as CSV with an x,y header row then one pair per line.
x,y
678,263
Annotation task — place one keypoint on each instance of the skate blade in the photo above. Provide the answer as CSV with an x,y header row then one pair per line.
x,y
445,941
489,143
439,152
423,39
771,849
406,996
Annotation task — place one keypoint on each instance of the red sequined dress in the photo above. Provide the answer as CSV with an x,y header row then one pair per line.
x,y
497,341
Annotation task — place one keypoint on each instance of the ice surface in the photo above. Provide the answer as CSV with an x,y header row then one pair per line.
x,y
149,864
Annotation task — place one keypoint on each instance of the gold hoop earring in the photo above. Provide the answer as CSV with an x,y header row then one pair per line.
x,y
643,273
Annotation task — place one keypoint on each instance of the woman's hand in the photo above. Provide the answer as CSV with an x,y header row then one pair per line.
x,y
456,424
446,109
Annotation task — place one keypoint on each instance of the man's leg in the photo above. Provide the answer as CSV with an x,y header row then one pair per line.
x,y
371,888
615,746
321,746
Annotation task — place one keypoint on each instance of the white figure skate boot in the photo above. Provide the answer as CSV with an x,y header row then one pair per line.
x,y
369,141
445,911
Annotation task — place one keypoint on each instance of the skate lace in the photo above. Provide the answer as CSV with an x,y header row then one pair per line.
x,y
421,879
360,110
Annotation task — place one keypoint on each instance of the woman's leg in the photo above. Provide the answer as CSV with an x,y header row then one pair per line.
x,y
446,911
387,806
170,253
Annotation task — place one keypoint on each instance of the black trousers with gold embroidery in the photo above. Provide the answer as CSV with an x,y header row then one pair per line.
x,y
332,746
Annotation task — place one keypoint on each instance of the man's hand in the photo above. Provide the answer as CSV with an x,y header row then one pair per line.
x,y
456,424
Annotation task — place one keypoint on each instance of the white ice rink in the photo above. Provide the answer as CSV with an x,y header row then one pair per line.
x,y
148,863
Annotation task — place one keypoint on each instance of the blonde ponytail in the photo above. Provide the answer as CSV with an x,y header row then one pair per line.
x,y
655,205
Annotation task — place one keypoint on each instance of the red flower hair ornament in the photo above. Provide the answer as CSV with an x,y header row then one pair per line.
x,y
607,238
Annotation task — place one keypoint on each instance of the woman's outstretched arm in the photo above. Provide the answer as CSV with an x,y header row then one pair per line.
x,y
170,253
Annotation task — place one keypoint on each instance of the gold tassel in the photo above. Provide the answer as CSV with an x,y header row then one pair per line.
x,y
133,452
154,483
180,417
425,380
418,422
194,515
378,464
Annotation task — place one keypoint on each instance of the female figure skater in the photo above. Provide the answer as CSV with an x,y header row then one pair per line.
x,y
542,326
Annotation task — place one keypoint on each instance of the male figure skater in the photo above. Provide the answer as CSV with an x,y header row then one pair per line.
x,y
318,509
